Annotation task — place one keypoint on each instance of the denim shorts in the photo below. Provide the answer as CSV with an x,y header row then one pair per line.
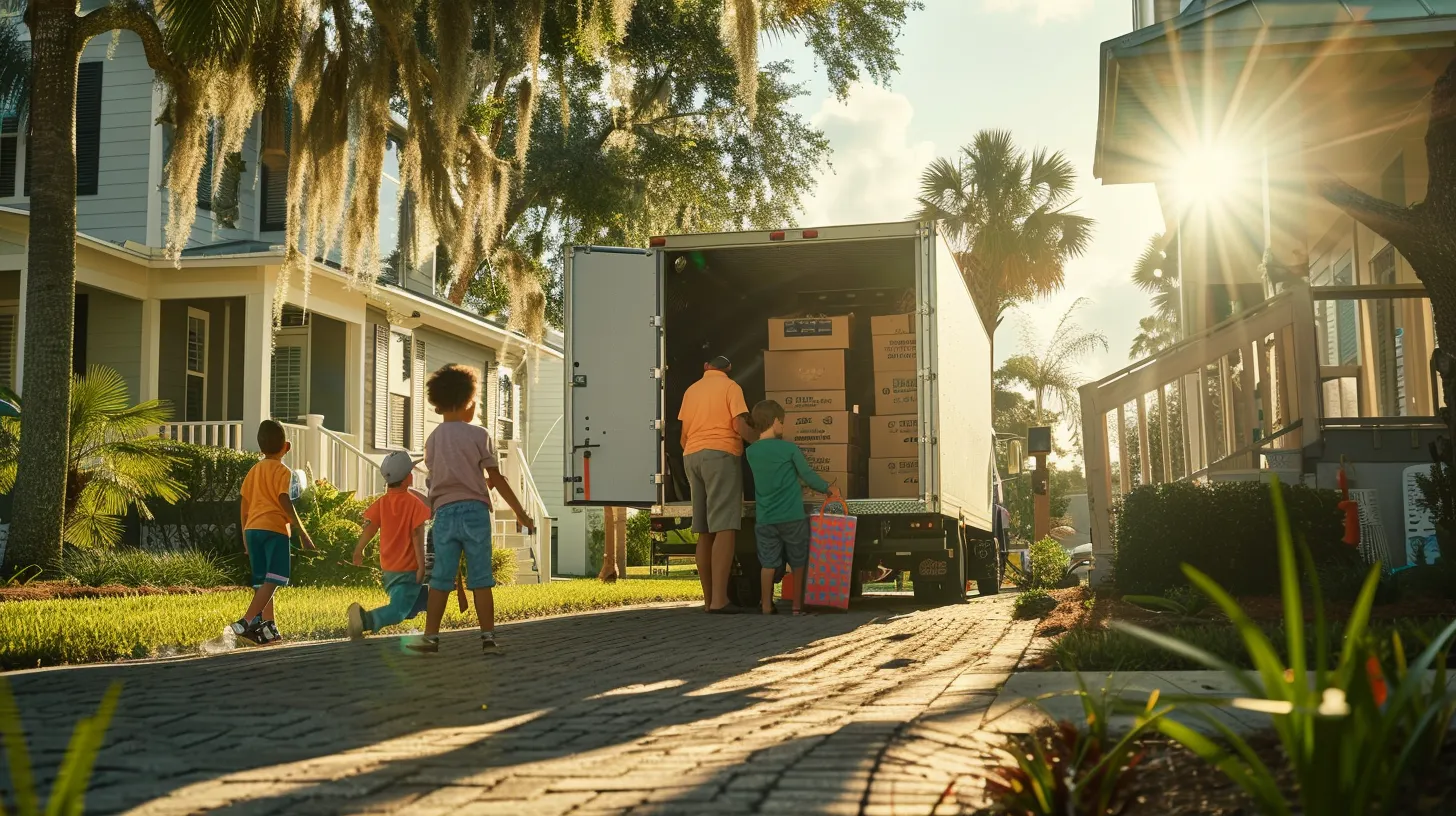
x,y
785,541
462,529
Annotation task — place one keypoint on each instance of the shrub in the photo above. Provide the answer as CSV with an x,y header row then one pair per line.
x,y
1047,564
1225,530
334,519
503,565
207,519
134,568
1034,603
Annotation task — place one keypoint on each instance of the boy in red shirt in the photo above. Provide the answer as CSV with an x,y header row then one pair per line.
x,y
399,518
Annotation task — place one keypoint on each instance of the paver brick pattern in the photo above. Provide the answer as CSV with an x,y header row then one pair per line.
x,y
656,710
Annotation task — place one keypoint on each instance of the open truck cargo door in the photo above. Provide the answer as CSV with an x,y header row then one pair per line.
x,y
614,376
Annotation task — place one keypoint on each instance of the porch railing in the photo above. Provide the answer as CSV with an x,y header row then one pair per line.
x,y
1218,401
215,434
518,474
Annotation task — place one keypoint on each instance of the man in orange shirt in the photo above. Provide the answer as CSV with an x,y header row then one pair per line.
x,y
715,424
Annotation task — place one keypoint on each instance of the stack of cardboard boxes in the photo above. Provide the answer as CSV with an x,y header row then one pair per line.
x,y
894,467
806,371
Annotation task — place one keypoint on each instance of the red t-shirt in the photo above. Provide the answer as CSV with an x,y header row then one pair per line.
x,y
398,513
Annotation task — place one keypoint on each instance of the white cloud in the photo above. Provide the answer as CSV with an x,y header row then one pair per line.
x,y
1043,11
876,165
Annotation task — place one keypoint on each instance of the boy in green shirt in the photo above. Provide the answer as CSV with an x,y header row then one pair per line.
x,y
782,528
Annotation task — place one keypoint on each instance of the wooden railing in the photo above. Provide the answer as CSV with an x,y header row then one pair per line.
x,y
518,474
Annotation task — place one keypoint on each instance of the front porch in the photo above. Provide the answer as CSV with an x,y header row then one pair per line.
x,y
344,371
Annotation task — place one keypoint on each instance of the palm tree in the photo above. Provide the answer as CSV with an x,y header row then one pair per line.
x,y
203,37
1051,370
114,460
1154,274
1006,214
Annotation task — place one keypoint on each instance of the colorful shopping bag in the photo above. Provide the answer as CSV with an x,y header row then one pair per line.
x,y
831,557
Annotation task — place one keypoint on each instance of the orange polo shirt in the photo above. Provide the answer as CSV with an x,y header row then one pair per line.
x,y
707,413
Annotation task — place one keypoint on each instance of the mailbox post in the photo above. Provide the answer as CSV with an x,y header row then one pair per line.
x,y
1039,445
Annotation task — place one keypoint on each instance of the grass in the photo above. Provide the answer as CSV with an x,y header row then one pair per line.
x,y
91,630
134,568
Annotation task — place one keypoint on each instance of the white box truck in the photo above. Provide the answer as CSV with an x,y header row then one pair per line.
x,y
640,323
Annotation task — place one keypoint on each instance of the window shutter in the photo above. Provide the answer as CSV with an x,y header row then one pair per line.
x,y
287,376
381,386
275,195
7,351
417,398
9,136
490,398
204,181
88,128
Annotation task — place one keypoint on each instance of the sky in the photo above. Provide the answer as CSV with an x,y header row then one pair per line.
x,y
1028,66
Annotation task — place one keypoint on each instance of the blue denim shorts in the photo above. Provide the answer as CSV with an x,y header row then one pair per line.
x,y
462,529
786,541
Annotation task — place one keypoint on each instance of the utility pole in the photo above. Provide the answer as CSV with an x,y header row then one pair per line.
x,y
1039,445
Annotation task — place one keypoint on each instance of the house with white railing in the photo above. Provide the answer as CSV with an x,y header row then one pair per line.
x,y
344,369
1305,336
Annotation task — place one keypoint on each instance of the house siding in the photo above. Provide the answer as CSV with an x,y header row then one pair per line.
x,y
442,349
118,211
543,442
113,324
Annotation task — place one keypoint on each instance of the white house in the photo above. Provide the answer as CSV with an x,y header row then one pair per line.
x,y
345,368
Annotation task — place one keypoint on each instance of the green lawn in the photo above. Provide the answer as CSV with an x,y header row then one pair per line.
x,y
90,630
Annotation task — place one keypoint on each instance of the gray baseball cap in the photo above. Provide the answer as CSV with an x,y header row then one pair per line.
x,y
396,466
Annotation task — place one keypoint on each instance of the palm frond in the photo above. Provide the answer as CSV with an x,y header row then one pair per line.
x,y
14,68
1145,273
203,31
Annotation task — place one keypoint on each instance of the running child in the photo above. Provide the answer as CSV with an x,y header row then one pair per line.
x,y
398,518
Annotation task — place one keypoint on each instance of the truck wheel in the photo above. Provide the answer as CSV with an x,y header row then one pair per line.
x,y
744,588
856,583
953,588
988,577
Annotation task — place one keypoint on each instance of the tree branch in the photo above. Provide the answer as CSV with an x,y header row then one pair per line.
x,y
133,16
1393,222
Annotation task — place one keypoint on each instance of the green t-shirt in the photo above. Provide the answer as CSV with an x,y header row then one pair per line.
x,y
778,466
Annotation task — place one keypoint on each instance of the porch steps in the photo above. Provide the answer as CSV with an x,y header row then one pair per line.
x,y
504,534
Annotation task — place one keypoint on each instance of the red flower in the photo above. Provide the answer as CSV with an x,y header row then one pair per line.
x,y
1378,686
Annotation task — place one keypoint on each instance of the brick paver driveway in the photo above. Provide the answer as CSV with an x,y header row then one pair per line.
x,y
656,710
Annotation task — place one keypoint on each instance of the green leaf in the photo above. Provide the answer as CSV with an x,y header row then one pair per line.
x,y
17,754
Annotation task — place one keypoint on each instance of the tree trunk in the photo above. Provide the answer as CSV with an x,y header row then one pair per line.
x,y
50,292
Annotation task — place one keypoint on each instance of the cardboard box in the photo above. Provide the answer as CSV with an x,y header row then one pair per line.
x,y
892,324
851,486
810,400
895,436
802,333
821,370
894,352
833,458
897,478
822,427
896,392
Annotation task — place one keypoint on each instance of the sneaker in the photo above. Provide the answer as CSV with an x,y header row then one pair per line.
x,y
271,633
356,622
488,646
427,644
251,631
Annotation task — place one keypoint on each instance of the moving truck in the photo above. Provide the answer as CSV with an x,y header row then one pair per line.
x,y
640,323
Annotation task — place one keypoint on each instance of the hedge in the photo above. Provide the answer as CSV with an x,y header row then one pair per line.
x,y
1225,529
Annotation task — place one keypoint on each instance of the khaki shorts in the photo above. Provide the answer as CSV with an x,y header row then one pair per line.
x,y
716,480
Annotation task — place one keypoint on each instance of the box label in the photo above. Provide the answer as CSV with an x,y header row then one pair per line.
x,y
809,400
809,327
817,370
823,427
832,458
894,352
897,478
895,436
896,393
808,333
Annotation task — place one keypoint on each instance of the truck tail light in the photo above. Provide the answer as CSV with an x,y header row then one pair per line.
x,y
657,242
811,233
776,236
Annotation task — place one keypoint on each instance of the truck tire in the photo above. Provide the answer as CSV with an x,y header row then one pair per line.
x,y
953,588
744,589
988,578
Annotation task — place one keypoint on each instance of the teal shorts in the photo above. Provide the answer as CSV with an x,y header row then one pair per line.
x,y
268,555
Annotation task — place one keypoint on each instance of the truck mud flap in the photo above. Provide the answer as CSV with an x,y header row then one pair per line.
x,y
933,567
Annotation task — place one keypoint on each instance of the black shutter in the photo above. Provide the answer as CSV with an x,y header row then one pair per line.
x,y
78,336
275,197
204,181
88,131
9,136
88,128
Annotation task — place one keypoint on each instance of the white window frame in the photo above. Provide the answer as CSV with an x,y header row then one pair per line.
x,y
206,319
